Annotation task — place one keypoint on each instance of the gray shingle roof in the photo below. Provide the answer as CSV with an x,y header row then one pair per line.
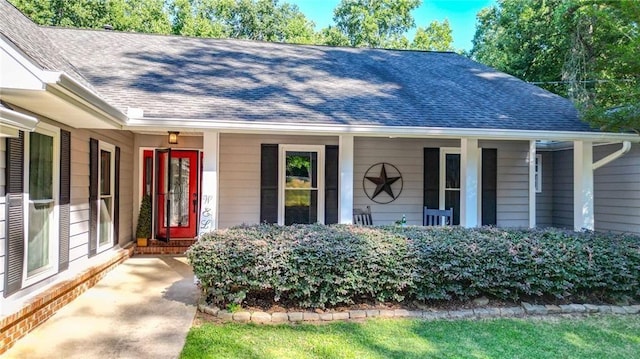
x,y
31,40
235,80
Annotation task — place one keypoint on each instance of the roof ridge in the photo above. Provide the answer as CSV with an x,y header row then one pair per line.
x,y
231,39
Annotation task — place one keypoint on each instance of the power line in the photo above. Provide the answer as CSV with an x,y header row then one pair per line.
x,y
581,81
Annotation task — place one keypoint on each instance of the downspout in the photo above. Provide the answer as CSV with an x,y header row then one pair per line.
x,y
626,146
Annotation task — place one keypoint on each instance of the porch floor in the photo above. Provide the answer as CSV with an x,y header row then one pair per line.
x,y
174,246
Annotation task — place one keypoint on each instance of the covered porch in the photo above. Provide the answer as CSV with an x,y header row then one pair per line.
x,y
246,177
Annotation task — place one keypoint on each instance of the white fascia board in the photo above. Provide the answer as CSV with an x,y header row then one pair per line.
x,y
72,91
17,120
148,123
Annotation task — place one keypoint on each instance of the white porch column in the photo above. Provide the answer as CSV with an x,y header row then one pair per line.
x,y
209,196
345,167
469,172
583,217
532,184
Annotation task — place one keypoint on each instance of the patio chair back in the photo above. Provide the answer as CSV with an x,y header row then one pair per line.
x,y
362,216
437,217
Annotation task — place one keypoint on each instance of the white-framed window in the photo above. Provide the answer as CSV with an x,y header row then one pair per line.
x,y
538,173
41,178
106,190
301,184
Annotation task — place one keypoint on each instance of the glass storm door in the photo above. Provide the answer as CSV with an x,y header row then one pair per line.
x,y
176,193
302,195
450,179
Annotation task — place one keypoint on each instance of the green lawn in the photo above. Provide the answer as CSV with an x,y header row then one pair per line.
x,y
590,337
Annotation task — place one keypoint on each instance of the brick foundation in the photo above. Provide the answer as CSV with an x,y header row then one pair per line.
x,y
45,305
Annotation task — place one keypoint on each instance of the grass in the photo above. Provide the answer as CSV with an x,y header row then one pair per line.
x,y
580,337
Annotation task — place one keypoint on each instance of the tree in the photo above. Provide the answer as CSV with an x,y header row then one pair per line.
x,y
148,16
522,38
374,23
435,37
332,36
265,20
603,68
197,18
72,13
583,49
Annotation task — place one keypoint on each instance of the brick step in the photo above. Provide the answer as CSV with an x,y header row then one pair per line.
x,y
174,246
171,243
161,250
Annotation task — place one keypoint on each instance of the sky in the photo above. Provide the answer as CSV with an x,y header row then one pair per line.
x,y
460,13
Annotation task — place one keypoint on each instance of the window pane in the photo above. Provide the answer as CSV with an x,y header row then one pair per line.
x,y
300,169
105,172
453,171
301,206
180,191
39,235
148,166
105,221
452,200
40,166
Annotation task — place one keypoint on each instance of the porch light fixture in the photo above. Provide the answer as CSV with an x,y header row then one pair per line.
x,y
173,137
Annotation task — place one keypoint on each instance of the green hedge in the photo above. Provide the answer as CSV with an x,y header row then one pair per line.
x,y
320,266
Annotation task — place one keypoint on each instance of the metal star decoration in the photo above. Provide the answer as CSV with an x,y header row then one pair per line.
x,y
383,183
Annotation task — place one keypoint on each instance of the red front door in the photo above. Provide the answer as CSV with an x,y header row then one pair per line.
x,y
176,194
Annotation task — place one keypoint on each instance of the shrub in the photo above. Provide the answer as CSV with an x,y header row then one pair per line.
x,y
319,266
143,229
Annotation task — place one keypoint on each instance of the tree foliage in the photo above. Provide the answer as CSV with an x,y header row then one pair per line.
x,y
583,49
436,37
375,23
369,23
76,13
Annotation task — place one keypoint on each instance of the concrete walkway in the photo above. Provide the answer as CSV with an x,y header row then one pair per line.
x,y
142,309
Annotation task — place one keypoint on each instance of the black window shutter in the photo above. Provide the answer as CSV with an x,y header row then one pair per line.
x,y
431,178
116,199
331,185
93,196
489,186
65,199
15,214
269,183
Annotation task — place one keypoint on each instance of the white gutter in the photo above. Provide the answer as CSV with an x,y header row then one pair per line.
x,y
626,146
17,120
191,125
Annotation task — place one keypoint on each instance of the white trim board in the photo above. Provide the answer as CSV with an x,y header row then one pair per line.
x,y
146,124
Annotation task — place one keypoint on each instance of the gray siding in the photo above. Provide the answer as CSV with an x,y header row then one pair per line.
x,y
240,176
79,231
563,189
513,182
3,144
544,199
79,207
239,186
407,156
617,191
